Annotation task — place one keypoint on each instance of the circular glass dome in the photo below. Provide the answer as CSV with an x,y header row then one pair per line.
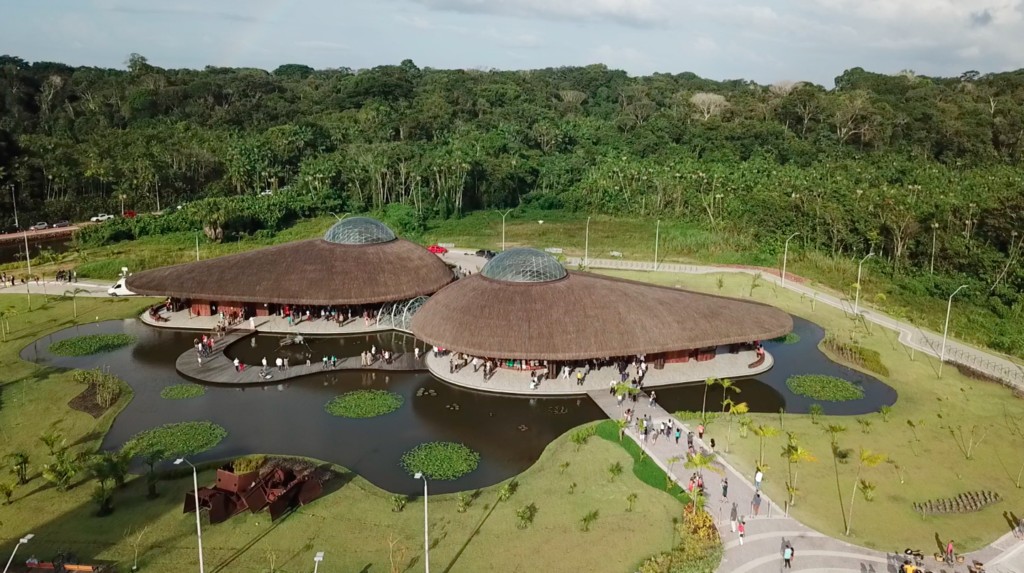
x,y
524,266
359,231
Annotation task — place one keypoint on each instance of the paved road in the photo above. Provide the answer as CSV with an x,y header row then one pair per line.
x,y
761,550
54,288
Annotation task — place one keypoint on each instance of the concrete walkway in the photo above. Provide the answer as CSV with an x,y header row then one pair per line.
x,y
911,336
185,320
766,533
506,381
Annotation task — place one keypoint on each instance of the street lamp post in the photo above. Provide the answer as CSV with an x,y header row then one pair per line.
x,y
785,255
426,523
195,495
14,199
945,329
316,560
657,238
860,267
503,215
935,230
586,247
122,204
21,542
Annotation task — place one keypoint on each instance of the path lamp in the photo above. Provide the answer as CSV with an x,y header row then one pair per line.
x,y
122,196
21,542
860,267
503,215
426,523
945,329
785,254
195,495
316,560
586,247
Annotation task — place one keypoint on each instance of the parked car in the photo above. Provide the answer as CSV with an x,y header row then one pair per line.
x,y
38,226
60,224
486,254
437,249
101,217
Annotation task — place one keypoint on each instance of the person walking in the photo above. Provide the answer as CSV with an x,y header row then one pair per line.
x,y
733,518
264,362
758,476
238,365
679,434
949,552
700,431
725,488
286,363
742,529
651,402
787,556
756,504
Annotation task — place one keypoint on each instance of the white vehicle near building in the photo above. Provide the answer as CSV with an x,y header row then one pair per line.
x,y
101,217
120,288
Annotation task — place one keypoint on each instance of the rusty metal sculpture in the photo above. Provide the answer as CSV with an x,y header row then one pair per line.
x,y
278,485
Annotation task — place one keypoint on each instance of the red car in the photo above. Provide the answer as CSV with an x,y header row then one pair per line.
x,y
437,249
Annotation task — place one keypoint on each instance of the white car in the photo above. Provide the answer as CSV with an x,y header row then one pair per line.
x,y
119,289
101,217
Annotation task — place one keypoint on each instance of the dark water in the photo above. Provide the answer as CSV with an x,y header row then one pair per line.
x,y
509,432
768,391
15,251
253,349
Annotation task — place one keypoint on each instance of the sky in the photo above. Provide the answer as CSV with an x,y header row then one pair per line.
x,y
781,40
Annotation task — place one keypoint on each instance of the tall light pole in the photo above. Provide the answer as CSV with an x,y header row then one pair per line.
x,y
195,495
586,247
28,261
935,230
945,329
21,542
503,215
14,200
197,245
316,560
860,267
122,204
426,523
657,238
785,255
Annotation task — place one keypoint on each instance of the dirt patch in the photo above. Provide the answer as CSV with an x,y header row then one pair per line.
x,y
86,402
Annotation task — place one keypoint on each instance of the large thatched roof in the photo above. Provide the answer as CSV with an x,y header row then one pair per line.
x,y
522,306
359,261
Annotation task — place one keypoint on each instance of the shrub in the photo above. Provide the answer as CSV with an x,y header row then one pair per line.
x,y
108,387
508,490
525,514
398,502
580,436
866,358
91,344
248,464
826,388
183,391
791,338
587,520
364,404
441,460
175,440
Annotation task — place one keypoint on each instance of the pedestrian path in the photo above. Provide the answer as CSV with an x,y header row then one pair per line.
x,y
769,529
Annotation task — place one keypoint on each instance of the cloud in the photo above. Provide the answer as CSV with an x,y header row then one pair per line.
x,y
639,13
489,34
322,45
182,11
983,18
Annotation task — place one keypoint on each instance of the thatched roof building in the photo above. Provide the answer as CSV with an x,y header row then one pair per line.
x,y
358,261
524,304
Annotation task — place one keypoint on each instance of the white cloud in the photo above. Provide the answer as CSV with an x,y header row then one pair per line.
x,y
631,12
321,45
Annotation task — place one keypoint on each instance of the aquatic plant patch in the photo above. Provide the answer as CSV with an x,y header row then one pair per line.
x,y
175,440
791,338
441,460
825,388
183,391
91,344
364,404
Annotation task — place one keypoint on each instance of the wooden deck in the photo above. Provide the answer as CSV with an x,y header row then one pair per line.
x,y
219,369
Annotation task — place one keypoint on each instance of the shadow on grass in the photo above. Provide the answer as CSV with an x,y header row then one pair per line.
x,y
644,468
472,536
249,544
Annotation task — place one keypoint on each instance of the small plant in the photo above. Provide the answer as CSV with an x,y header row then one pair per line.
x,y
91,344
587,520
464,501
248,464
885,411
825,388
508,490
631,501
182,391
525,515
791,338
720,282
19,465
364,404
815,411
614,471
441,460
7,490
398,502
572,488
562,467
580,436
865,425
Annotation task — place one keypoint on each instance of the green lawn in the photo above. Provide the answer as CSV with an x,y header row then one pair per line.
x,y
353,525
931,463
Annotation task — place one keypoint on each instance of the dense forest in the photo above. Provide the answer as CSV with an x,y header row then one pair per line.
x,y
924,171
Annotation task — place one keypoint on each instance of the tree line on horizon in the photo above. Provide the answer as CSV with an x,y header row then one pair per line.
x,y
923,171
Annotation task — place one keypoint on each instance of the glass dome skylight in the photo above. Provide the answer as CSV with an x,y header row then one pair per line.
x,y
359,231
524,266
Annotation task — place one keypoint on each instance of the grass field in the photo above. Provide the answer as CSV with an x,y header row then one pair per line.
x,y
354,525
929,462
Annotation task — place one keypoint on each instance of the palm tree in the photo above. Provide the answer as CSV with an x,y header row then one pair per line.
x,y
153,457
104,467
833,430
7,490
73,294
53,440
867,459
700,462
734,411
794,453
621,424
19,465
5,320
727,385
762,431
707,384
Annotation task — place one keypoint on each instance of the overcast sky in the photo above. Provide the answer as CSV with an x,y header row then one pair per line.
x,y
722,39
